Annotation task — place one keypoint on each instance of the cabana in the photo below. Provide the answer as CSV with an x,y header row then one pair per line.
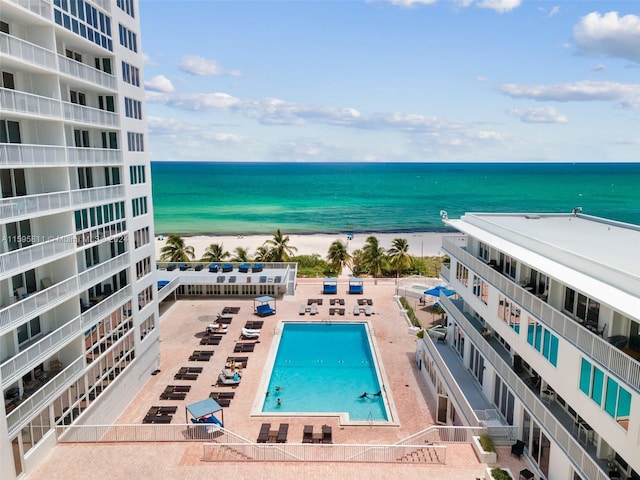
x,y
355,285
264,309
330,286
202,412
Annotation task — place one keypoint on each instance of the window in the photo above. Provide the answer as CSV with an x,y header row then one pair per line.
x,y
106,103
503,399
128,39
130,74
103,64
583,308
137,174
127,7
81,138
29,330
591,381
8,81
141,237
132,108
462,274
19,235
508,265
9,132
135,142
13,182
85,177
110,140
4,27
483,251
143,267
139,206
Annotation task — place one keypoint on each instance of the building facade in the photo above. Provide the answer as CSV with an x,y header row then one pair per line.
x,y
546,321
77,286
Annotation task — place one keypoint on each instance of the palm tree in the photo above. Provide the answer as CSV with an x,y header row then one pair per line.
x,y
262,254
338,256
175,250
240,254
214,253
374,257
357,262
399,255
279,250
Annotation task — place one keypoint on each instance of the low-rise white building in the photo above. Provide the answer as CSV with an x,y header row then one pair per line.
x,y
545,329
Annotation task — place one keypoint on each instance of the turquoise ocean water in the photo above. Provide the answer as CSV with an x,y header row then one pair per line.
x,y
257,198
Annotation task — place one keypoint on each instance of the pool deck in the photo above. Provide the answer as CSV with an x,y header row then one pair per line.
x,y
181,330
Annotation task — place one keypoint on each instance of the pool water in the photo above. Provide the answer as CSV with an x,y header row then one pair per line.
x,y
325,368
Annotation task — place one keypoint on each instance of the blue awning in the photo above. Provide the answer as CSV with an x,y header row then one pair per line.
x,y
435,291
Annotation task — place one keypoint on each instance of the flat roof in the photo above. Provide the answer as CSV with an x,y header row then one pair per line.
x,y
584,251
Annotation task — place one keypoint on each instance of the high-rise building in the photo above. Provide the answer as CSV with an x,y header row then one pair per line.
x,y
77,285
545,323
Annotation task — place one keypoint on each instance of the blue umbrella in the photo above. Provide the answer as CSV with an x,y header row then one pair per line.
x,y
435,291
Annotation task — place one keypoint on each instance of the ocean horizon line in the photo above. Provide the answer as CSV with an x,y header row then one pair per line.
x,y
306,233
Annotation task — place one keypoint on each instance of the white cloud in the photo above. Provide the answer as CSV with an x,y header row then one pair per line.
x,y
599,68
609,35
197,101
405,3
625,94
500,6
159,83
538,115
200,66
554,10
481,78
146,60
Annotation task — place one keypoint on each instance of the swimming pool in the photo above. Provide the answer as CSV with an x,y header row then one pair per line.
x,y
325,368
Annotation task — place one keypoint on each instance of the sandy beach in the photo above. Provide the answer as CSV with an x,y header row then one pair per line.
x,y
420,243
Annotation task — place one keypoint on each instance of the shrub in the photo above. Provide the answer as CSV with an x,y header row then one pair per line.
x,y
486,442
420,334
500,474
410,313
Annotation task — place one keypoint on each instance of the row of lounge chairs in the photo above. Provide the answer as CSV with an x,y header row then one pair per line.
x,y
368,311
223,398
188,373
158,414
228,267
339,301
229,378
325,437
244,347
267,435
175,392
201,355
211,340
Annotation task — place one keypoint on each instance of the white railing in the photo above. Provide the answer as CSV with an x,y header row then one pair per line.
x,y
27,359
36,303
136,433
19,154
456,394
168,289
39,7
94,156
29,205
611,358
104,4
89,115
445,273
105,307
96,195
26,51
15,101
85,72
572,448
35,254
103,270
43,396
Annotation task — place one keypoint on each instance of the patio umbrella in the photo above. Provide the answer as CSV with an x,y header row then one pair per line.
x,y
435,291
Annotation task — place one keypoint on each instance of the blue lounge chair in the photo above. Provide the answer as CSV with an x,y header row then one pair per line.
x,y
214,268
171,266
199,267
243,268
265,310
257,267
227,267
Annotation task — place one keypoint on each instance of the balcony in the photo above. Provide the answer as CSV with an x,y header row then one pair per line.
x,y
19,155
39,7
15,208
41,397
88,196
27,52
105,307
104,270
30,104
89,115
610,357
86,73
94,156
24,258
29,358
589,466
36,303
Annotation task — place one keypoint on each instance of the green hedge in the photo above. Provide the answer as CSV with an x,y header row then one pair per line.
x,y
410,313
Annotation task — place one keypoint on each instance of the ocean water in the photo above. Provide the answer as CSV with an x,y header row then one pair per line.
x,y
257,198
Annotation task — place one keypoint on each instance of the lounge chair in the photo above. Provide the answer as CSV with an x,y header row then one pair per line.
x,y
517,449
313,309
282,433
327,436
214,268
341,311
243,268
246,333
356,310
217,328
332,311
368,311
302,310
171,266
224,380
442,339
227,267
263,436
264,310
199,267
184,267
45,283
307,434
257,268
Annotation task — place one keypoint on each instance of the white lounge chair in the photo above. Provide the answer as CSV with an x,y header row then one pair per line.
x,y
302,310
313,309
368,311
246,333
356,310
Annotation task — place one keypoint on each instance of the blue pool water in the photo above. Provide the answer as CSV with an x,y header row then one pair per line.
x,y
325,368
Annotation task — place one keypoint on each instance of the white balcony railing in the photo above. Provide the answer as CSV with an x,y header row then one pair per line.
x,y
21,102
31,205
612,358
105,307
39,7
29,358
94,156
96,195
42,397
19,154
104,270
36,303
89,115
38,253
572,448
85,72
26,51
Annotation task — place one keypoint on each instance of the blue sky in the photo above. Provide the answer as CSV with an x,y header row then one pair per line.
x,y
392,80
